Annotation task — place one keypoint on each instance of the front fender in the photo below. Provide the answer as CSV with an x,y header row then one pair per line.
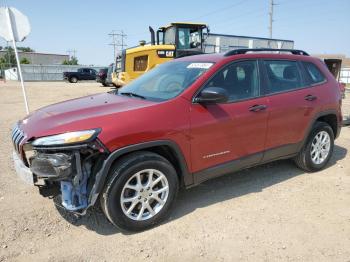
x,y
102,174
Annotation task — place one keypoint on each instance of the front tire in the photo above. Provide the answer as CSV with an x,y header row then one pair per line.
x,y
140,191
318,148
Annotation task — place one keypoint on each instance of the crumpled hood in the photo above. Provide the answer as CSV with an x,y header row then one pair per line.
x,y
88,112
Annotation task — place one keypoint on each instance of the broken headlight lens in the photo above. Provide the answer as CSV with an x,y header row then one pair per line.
x,y
67,138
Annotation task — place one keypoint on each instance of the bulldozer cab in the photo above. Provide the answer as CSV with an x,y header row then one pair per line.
x,y
172,41
188,38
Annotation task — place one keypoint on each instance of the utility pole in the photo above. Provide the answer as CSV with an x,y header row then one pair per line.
x,y
271,17
118,40
114,42
70,52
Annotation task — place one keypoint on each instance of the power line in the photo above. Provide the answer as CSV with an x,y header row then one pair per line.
x,y
233,19
118,40
70,52
219,10
241,28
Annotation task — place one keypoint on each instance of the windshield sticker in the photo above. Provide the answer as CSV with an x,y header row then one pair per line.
x,y
200,65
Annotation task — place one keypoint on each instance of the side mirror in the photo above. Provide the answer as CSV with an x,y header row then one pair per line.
x,y
212,95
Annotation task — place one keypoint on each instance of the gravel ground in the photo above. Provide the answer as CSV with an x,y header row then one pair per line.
x,y
274,212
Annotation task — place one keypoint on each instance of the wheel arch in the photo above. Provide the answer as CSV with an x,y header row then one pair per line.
x,y
74,76
330,119
166,148
327,116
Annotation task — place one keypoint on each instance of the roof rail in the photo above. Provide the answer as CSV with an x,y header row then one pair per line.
x,y
246,50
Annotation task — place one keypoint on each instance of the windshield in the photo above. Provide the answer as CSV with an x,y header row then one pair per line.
x,y
118,63
169,36
165,81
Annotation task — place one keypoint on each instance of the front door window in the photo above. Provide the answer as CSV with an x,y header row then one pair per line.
x,y
240,80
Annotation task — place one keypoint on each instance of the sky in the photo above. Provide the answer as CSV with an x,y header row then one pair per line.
x,y
316,26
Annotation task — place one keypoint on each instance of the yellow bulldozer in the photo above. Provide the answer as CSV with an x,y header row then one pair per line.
x,y
169,42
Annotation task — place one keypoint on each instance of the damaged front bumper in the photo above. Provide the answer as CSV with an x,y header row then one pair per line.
x,y
22,171
68,171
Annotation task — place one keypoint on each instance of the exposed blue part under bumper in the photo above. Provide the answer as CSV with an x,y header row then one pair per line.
x,y
74,197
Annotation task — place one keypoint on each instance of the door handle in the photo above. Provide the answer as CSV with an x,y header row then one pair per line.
x,y
257,108
310,97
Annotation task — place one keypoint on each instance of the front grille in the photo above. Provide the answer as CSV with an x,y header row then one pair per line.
x,y
17,138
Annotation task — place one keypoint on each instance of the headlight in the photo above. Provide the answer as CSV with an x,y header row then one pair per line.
x,y
66,138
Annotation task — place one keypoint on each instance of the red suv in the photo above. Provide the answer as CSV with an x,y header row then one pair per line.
x,y
182,123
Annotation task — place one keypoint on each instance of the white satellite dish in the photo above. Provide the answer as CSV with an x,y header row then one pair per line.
x,y
15,27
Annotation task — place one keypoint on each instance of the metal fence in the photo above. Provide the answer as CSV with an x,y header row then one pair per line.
x,y
44,72
346,108
345,75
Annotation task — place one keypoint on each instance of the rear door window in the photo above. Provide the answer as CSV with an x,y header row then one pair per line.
x,y
314,74
283,75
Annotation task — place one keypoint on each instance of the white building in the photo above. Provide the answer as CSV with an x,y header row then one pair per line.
x,y
216,43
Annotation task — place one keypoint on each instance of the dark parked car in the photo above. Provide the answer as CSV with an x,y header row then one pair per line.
x,y
81,74
102,76
111,69
180,124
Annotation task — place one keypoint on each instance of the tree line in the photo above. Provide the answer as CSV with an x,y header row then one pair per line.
x,y
8,60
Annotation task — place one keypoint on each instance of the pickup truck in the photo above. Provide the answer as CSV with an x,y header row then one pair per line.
x,y
81,74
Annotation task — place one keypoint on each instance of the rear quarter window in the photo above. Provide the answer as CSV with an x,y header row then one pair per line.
x,y
314,74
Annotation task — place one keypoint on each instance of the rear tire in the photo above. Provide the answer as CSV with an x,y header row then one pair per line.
x,y
73,79
318,148
129,191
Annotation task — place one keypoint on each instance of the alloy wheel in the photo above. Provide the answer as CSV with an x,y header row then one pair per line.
x,y
144,194
320,147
